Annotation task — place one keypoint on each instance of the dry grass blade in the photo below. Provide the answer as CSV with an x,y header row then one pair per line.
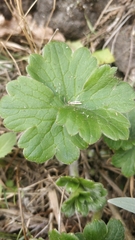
x,y
32,5
20,206
51,14
24,26
14,61
114,186
102,13
54,205
130,53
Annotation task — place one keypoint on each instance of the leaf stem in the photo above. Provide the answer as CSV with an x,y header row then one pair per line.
x,y
97,215
73,169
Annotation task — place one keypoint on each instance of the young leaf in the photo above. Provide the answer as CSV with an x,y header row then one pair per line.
x,y
85,195
68,207
104,56
124,202
67,104
7,141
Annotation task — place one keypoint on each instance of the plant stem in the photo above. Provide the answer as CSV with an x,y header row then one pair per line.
x,y
97,215
73,169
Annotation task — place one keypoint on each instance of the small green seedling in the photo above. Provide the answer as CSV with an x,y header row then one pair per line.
x,y
126,203
7,141
85,195
65,104
104,56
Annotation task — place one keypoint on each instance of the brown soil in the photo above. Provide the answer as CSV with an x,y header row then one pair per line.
x,y
32,202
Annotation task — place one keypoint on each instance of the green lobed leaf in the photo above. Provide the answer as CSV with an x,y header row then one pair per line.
x,y
7,141
95,230
125,160
41,144
103,90
120,144
80,236
124,144
126,203
131,116
67,104
70,183
61,70
115,230
28,104
78,121
125,149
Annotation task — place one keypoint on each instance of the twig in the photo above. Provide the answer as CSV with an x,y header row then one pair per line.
x,y
113,185
24,27
25,15
51,14
56,207
43,229
73,169
53,35
61,227
119,27
79,222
